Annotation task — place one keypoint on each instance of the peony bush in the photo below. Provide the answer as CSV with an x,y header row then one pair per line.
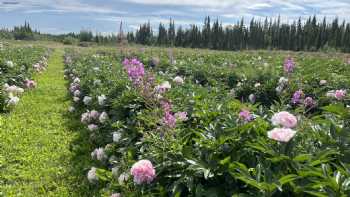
x,y
213,124
17,66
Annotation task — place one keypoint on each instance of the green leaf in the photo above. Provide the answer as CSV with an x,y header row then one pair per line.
x,y
287,179
318,194
302,157
225,161
103,175
338,109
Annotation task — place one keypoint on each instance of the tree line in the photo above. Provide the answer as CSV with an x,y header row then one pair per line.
x,y
310,35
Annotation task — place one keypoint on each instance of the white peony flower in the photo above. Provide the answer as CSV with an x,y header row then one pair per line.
x,y
87,100
165,85
102,100
5,86
92,177
330,93
279,89
99,154
9,64
71,109
76,99
115,171
76,80
283,81
103,117
97,82
14,90
123,178
252,98
178,80
20,90
116,136
323,82
13,100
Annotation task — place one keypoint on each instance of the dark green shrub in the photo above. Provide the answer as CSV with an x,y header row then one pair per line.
x,y
200,77
69,40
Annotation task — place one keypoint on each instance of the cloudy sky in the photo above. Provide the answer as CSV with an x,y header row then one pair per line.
x,y
61,16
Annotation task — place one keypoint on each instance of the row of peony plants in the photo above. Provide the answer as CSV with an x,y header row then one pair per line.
x,y
159,133
17,66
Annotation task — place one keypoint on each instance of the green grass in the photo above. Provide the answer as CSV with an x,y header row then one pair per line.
x,y
41,151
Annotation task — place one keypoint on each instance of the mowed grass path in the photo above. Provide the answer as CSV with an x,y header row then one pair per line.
x,y
41,152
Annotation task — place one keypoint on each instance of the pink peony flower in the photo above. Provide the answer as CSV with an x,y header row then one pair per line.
x,y
116,195
340,94
30,84
281,134
73,87
77,93
143,172
94,114
284,119
245,115
92,127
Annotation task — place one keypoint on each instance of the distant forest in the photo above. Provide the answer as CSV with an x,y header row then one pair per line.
x,y
309,35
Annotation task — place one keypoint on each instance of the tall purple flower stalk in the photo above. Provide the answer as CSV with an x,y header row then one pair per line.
x,y
289,65
135,70
297,96
169,118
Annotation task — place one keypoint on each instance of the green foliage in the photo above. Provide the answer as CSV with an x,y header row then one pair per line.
x,y
23,32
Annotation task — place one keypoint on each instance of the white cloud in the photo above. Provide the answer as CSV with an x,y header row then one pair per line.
x,y
259,6
59,6
240,8
107,14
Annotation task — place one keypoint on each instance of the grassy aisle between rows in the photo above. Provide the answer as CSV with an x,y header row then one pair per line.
x,y
40,152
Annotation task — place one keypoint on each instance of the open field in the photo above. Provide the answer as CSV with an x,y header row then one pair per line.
x,y
150,121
